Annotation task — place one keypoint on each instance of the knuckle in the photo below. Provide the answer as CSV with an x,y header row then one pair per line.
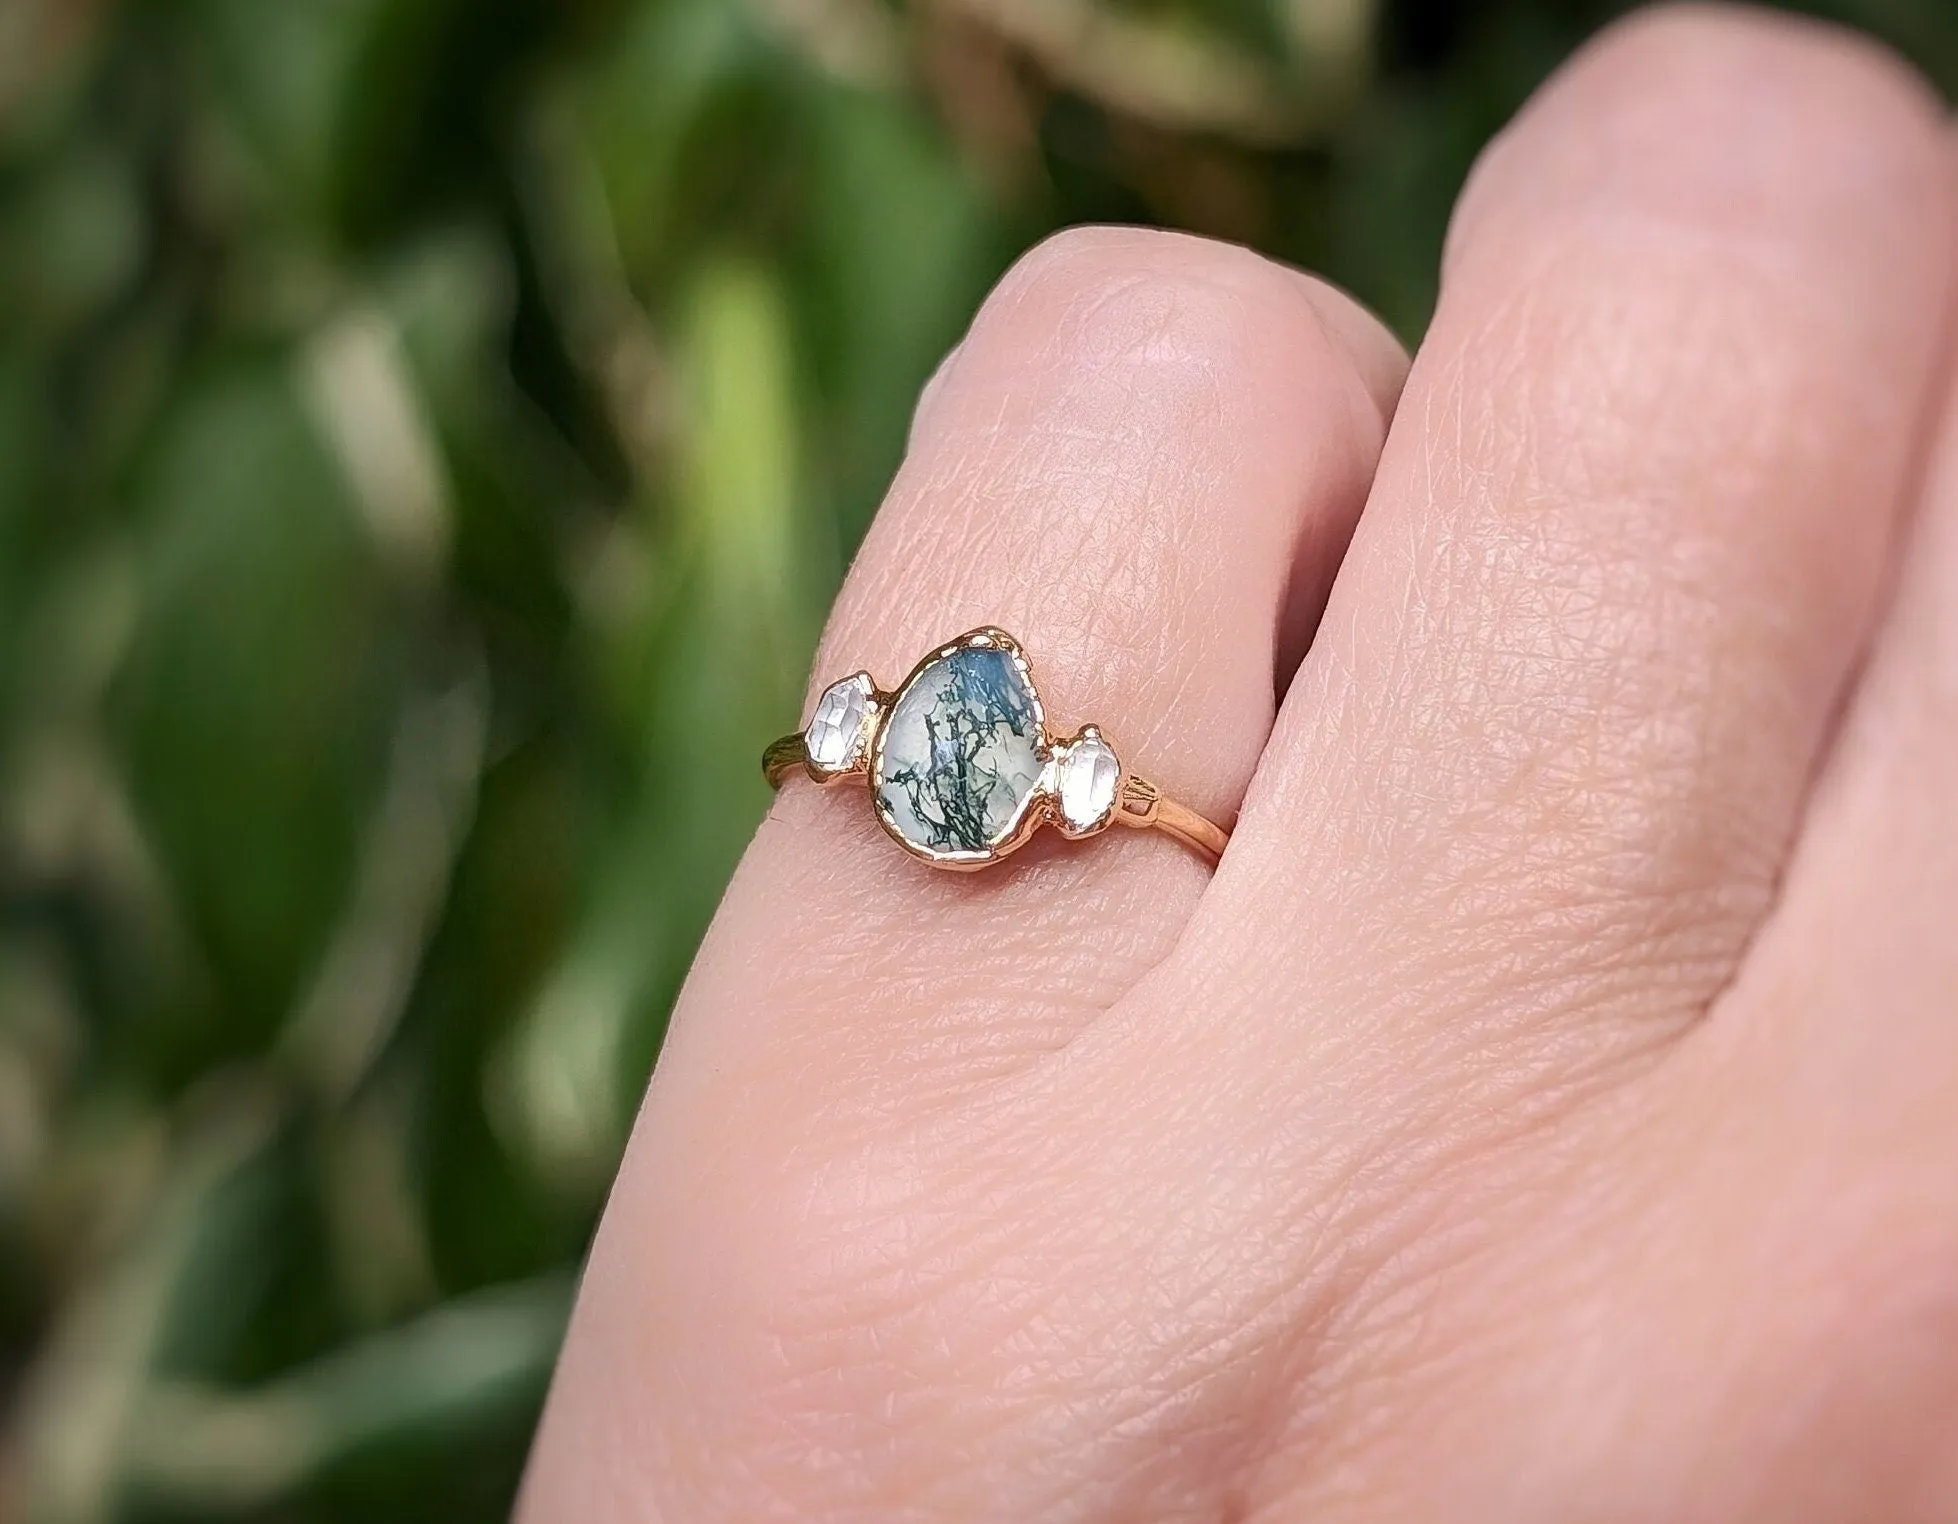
x,y
1187,309
1716,48
1724,119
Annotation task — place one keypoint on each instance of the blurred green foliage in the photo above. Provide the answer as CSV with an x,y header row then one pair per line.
x,y
430,432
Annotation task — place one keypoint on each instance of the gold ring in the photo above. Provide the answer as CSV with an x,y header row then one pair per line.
x,y
962,768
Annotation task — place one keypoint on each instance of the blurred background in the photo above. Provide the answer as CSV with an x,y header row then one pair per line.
x,y
430,434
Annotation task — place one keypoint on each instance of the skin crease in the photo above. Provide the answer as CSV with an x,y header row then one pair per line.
x,y
1549,1109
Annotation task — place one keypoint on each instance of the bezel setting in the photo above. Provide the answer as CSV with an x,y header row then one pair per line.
x,y
1038,805
977,769
1031,808
832,719
1083,754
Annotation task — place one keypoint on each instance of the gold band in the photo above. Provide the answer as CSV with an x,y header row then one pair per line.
x,y
961,766
783,757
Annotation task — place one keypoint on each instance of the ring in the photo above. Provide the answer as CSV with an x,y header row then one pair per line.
x,y
962,768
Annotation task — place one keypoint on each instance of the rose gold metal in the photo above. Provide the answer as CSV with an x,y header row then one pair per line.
x,y
1142,805
784,757
1138,802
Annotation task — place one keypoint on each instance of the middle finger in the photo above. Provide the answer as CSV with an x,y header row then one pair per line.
x,y
1627,540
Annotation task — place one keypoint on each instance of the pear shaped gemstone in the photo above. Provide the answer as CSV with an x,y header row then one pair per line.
x,y
960,754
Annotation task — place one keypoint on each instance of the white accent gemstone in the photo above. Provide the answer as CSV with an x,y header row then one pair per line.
x,y
835,737
1088,777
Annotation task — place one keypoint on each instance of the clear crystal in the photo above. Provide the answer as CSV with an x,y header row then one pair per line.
x,y
835,737
1086,784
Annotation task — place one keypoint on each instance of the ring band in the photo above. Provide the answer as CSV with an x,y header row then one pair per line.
x,y
961,766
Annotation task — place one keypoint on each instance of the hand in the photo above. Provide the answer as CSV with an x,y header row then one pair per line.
x,y
1549,1110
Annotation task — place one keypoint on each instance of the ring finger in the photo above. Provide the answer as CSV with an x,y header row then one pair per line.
x,y
1144,462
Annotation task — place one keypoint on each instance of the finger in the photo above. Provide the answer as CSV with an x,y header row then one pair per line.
x,y
1528,799
1626,542
1794,1157
1143,462
1859,966
1143,444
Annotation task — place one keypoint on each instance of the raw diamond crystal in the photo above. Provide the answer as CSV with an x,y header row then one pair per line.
x,y
1087,781
835,737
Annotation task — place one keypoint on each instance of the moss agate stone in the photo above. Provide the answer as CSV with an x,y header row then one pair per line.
x,y
960,754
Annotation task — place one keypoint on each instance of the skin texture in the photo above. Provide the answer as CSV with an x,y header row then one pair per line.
x,y
1549,1110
